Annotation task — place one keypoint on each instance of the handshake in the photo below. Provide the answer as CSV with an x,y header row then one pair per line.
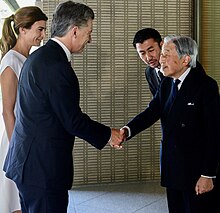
x,y
118,136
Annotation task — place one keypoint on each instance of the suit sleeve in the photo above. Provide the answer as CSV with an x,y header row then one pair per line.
x,y
146,118
64,97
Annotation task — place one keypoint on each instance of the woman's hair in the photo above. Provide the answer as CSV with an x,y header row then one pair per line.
x,y
23,17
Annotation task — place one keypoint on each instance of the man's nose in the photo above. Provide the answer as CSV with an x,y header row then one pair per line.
x,y
148,56
162,58
90,39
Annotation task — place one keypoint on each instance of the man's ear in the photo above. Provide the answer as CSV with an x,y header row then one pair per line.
x,y
74,31
187,60
161,44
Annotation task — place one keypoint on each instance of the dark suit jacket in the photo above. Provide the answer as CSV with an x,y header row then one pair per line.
x,y
47,121
152,79
190,129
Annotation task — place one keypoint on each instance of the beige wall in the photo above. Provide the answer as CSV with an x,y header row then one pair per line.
x,y
209,36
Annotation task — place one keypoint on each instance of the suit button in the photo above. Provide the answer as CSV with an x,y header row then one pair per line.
x,y
183,125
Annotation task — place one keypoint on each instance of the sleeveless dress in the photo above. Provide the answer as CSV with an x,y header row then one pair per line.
x,y
9,196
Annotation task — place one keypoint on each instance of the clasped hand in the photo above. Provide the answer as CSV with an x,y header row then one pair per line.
x,y
118,136
204,185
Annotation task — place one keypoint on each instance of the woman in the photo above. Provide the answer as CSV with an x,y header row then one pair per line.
x,y
21,31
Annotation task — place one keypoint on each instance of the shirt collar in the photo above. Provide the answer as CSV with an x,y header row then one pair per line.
x,y
182,77
68,54
157,71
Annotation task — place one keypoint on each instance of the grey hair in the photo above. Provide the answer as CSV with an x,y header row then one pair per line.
x,y
69,14
184,46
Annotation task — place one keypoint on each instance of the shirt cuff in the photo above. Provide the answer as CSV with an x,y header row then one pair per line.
x,y
110,136
129,130
208,176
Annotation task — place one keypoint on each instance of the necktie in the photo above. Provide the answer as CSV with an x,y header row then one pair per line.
x,y
160,75
174,88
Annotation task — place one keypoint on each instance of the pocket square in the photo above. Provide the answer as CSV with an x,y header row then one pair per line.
x,y
190,104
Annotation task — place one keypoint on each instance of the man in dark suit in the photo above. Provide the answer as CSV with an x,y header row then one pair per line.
x,y
49,117
190,127
148,44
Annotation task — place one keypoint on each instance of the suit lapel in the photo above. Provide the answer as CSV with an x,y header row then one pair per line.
x,y
153,78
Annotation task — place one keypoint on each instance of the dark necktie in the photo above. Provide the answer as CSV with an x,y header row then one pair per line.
x,y
160,75
174,89
173,93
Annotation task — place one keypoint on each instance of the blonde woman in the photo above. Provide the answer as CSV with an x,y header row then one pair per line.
x,y
21,31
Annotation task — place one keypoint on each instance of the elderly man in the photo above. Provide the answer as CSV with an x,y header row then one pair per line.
x,y
188,105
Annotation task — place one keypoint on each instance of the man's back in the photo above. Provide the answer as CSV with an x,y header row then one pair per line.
x,y
48,119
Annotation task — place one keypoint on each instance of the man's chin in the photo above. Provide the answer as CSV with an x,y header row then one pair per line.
x,y
166,74
78,51
153,65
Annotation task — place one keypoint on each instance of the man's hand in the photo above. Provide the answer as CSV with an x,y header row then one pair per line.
x,y
124,133
117,137
204,185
